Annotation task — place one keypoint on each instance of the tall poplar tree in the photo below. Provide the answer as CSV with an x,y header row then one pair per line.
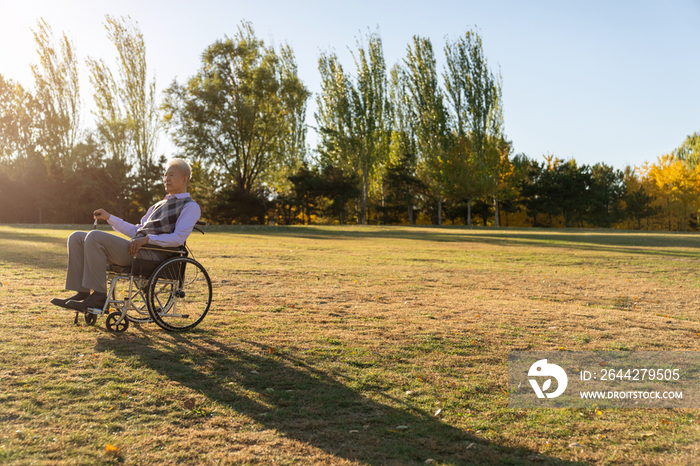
x,y
127,116
354,117
334,117
474,93
402,163
371,112
429,114
57,90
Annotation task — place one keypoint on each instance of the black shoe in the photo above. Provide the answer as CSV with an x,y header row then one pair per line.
x,y
79,296
95,300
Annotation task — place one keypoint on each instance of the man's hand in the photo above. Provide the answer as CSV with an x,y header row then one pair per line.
x,y
135,245
101,214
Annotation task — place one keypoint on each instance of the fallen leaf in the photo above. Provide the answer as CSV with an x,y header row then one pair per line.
x,y
270,350
575,445
665,421
599,412
111,450
402,427
189,403
437,413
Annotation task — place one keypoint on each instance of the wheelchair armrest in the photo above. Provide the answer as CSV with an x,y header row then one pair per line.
x,y
199,222
174,250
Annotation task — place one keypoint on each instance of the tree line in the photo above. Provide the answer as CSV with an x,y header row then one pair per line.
x,y
406,144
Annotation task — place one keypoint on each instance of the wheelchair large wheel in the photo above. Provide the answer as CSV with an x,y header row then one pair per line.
x,y
179,294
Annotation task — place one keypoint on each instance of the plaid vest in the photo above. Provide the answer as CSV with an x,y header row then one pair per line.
x,y
163,217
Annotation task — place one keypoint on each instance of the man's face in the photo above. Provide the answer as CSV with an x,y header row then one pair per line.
x,y
174,180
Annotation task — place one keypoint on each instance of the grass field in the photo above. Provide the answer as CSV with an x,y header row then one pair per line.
x,y
338,345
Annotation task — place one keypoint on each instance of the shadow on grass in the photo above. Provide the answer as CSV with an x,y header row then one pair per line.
x,y
655,243
310,405
24,253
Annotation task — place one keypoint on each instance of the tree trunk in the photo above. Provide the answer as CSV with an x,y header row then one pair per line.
x,y
496,212
551,222
684,216
384,216
364,196
469,211
668,210
440,209
410,215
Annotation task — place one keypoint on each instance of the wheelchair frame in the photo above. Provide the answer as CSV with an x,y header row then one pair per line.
x,y
142,287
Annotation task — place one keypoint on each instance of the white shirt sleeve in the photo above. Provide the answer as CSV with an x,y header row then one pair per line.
x,y
126,228
189,215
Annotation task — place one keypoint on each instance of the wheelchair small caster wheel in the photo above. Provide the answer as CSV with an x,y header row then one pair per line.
x,y
112,325
90,318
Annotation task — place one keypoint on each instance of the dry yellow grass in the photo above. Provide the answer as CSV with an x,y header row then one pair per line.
x,y
322,341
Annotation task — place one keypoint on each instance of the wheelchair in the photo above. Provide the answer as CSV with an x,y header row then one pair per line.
x,y
175,293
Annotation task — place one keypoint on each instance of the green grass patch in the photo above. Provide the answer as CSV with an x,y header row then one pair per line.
x,y
338,345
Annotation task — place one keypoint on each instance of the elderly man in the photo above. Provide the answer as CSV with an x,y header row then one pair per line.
x,y
168,223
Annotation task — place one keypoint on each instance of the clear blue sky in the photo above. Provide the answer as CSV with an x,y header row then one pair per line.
x,y
612,81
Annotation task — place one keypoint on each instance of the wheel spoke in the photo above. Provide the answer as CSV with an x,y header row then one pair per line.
x,y
179,294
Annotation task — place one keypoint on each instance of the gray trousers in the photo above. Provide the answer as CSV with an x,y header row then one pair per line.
x,y
90,253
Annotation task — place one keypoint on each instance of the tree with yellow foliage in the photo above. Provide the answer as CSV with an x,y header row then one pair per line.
x,y
677,181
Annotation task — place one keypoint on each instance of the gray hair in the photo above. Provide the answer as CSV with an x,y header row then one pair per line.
x,y
182,165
